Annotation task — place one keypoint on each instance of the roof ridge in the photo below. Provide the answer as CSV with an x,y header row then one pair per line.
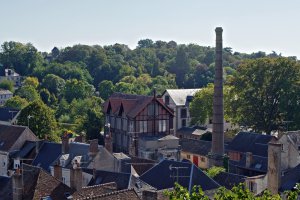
x,y
100,185
107,194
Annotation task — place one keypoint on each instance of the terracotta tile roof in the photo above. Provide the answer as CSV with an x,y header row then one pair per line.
x,y
41,184
95,190
9,135
132,104
128,194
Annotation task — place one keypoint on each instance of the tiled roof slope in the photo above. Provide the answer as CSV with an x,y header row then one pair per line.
x,y
200,147
128,194
164,175
102,177
9,135
37,184
95,190
131,104
251,142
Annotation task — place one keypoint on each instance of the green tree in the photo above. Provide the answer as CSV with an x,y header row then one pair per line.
x,y
16,102
45,96
106,88
77,89
40,119
93,124
214,171
22,57
31,81
54,84
201,107
7,85
266,92
28,92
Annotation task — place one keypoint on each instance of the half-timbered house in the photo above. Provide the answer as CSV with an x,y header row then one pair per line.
x,y
129,117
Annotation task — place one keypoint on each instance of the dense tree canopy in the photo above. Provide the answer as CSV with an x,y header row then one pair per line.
x,y
266,93
69,79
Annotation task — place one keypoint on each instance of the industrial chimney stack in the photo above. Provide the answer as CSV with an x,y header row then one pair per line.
x,y
217,151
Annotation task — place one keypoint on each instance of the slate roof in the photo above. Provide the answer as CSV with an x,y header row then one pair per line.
x,y
9,135
6,188
290,178
251,142
259,163
6,115
198,131
3,181
48,153
163,176
131,104
179,96
229,180
26,149
96,190
38,184
200,147
102,177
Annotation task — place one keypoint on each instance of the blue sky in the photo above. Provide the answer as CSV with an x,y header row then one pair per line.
x,y
249,26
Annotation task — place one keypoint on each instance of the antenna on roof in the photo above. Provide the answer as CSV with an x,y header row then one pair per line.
x,y
177,169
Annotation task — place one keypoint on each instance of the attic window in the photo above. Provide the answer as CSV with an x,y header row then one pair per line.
x,y
1,143
298,148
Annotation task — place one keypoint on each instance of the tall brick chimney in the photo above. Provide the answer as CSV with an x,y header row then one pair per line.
x,y
76,178
217,151
274,167
17,185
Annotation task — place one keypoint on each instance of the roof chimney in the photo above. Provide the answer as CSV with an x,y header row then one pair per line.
x,y
274,167
93,147
17,185
57,171
217,152
249,159
65,143
76,178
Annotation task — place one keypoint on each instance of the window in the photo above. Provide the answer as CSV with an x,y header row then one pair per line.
x,y
183,123
151,109
131,126
188,156
167,100
162,126
143,126
202,159
118,123
183,113
124,124
252,186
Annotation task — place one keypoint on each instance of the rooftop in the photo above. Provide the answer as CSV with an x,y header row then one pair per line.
x,y
200,147
251,142
179,96
187,175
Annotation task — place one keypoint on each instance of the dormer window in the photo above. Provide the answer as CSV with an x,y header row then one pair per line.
x,y
167,100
